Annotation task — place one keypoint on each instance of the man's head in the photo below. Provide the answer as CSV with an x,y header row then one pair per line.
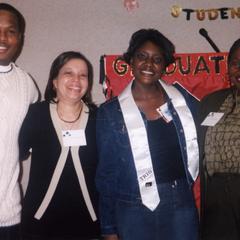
x,y
12,28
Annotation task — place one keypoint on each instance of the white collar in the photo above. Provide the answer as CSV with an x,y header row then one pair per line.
x,y
5,69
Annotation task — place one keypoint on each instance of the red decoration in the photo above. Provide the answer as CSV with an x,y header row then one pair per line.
x,y
130,5
198,73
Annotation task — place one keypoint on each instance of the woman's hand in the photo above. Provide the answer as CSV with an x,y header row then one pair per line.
x,y
111,237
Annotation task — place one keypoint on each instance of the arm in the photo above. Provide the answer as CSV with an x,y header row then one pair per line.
x,y
106,173
26,135
35,92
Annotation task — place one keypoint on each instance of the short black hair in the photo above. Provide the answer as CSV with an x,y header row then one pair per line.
x,y
233,49
144,35
20,19
58,63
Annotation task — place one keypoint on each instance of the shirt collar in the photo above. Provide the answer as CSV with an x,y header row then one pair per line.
x,y
5,69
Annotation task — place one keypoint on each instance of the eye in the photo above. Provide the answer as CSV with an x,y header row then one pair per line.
x,y
141,56
67,74
157,60
83,76
12,31
235,64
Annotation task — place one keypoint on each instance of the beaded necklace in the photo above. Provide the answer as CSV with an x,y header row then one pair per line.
x,y
73,121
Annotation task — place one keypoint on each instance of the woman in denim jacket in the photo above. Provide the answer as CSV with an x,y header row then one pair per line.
x,y
148,151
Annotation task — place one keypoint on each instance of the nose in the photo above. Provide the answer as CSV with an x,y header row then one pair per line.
x,y
3,36
76,78
149,61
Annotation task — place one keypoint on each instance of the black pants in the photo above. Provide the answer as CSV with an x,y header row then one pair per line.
x,y
40,238
10,233
222,211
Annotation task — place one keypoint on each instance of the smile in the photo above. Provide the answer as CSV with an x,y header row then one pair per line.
x,y
3,48
147,72
75,88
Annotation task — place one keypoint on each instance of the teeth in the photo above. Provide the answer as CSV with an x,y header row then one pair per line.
x,y
75,88
147,72
3,48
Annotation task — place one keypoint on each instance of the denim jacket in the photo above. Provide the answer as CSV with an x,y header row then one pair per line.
x,y
116,174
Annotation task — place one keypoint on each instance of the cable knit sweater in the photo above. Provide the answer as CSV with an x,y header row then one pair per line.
x,y
17,91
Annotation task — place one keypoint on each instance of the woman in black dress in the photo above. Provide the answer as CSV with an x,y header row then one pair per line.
x,y
220,157
61,201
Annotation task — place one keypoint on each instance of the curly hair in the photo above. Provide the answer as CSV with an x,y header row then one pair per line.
x,y
144,35
233,49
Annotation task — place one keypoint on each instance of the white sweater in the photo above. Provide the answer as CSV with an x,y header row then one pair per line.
x,y
17,91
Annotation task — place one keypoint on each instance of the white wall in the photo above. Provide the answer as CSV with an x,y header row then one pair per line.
x,y
97,27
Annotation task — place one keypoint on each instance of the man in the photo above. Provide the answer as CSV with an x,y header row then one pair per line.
x,y
17,91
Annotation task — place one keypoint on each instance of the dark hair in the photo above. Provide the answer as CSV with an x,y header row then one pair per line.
x,y
154,36
233,49
58,63
20,19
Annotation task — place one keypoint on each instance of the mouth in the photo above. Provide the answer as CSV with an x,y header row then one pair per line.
x,y
75,89
236,79
148,73
3,48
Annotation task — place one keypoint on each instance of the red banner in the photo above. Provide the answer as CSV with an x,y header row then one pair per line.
x,y
198,73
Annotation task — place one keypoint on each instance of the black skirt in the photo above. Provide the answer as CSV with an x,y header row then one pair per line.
x,y
222,208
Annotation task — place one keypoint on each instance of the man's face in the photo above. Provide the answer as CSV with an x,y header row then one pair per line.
x,y
10,37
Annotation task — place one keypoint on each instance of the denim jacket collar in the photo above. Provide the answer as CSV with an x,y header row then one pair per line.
x,y
183,112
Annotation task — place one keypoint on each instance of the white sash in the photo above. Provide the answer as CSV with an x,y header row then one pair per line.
x,y
139,142
140,149
189,128
60,165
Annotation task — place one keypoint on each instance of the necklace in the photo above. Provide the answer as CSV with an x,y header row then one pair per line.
x,y
73,121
